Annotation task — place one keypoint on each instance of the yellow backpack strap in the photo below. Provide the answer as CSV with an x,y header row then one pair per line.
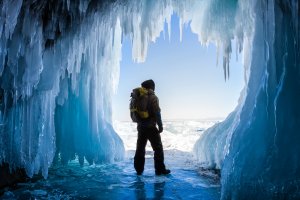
x,y
143,91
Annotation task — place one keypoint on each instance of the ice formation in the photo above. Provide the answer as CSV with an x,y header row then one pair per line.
x,y
256,146
59,65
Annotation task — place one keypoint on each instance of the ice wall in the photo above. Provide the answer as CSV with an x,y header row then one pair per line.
x,y
264,154
256,146
60,63
59,69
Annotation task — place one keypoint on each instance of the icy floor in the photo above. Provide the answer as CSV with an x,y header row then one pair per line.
x,y
119,180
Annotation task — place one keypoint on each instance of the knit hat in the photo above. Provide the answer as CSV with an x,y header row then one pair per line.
x,y
148,84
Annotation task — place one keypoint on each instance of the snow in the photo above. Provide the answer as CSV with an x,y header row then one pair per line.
x,y
178,135
59,67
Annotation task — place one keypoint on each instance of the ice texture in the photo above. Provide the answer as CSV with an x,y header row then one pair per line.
x,y
59,66
257,145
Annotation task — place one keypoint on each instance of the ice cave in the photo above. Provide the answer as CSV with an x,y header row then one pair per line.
x,y
60,65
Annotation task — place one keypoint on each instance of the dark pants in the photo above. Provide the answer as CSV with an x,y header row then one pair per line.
x,y
151,134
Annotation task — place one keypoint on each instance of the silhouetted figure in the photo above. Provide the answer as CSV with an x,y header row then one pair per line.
x,y
147,130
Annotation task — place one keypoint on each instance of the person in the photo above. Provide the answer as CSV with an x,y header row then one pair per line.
x,y
147,130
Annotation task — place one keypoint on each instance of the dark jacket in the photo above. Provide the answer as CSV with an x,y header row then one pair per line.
x,y
154,112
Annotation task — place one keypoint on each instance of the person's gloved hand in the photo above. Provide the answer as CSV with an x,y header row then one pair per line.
x,y
160,129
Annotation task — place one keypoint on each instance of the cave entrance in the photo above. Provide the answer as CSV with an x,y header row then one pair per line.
x,y
190,85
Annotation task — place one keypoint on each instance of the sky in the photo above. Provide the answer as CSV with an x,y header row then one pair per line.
x,y
189,83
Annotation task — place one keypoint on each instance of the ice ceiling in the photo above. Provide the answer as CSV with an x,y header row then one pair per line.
x,y
59,66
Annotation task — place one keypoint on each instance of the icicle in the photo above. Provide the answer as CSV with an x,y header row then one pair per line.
x,y
180,29
168,21
12,10
68,4
237,49
224,67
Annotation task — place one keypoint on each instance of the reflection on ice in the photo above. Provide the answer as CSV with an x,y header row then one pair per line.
x,y
119,180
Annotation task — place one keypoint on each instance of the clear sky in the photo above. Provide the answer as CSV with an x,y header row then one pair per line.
x,y
189,84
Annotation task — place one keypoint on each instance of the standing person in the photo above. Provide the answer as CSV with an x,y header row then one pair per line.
x,y
147,130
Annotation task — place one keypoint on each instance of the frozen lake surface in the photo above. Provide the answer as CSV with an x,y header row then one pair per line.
x,y
119,180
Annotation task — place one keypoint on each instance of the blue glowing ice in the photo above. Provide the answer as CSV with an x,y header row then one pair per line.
x,y
59,66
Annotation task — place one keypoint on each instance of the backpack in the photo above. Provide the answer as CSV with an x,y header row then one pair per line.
x,y
139,104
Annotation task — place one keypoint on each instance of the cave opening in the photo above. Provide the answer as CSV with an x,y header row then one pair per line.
x,y
190,84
